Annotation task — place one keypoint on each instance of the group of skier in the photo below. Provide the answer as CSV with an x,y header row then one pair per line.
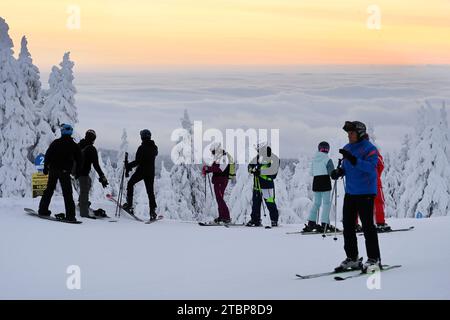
x,y
362,166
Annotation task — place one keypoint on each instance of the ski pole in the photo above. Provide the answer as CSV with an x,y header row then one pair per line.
x,y
335,202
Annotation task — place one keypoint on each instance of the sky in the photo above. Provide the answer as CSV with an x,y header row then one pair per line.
x,y
117,34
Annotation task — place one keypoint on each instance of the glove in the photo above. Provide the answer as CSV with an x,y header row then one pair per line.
x,y
103,181
256,170
337,173
347,155
45,171
205,170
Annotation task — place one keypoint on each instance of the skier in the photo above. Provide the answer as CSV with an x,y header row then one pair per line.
x,y
321,168
264,168
145,163
222,168
359,164
89,158
59,161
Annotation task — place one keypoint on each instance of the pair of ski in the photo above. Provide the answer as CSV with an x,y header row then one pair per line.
x,y
340,232
111,198
339,275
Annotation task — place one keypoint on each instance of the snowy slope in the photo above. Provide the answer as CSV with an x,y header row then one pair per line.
x,y
178,260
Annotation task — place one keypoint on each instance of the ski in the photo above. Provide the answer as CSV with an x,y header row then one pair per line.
x,y
340,232
158,218
323,274
32,212
214,224
385,268
111,198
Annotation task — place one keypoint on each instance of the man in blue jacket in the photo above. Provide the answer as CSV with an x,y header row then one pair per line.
x,y
359,168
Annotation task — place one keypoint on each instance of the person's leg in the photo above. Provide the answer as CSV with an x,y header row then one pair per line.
x,y
269,199
83,199
135,178
316,207
349,221
48,193
379,207
326,202
149,186
365,210
256,206
66,186
219,190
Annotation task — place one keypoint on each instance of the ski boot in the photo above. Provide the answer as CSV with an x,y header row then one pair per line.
x,y
252,223
45,213
383,227
310,227
128,208
372,265
358,228
100,213
274,223
60,216
327,228
153,216
349,264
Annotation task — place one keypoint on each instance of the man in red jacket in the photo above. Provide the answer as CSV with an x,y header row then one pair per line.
x,y
379,199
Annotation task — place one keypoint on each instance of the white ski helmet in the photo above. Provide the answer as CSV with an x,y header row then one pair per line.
x,y
214,147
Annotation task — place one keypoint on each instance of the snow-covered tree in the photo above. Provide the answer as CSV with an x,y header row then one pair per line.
x,y
300,190
240,200
17,136
166,199
59,105
29,71
427,170
187,180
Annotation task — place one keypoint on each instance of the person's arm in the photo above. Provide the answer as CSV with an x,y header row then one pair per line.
x,y
95,163
48,157
273,168
251,166
77,158
330,166
369,164
138,159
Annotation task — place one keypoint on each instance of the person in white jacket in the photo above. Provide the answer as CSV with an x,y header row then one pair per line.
x,y
321,168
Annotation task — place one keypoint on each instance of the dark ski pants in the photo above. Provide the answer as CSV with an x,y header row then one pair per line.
x,y
149,182
83,199
63,177
362,205
220,185
269,202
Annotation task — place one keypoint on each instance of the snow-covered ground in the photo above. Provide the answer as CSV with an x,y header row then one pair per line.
x,y
180,260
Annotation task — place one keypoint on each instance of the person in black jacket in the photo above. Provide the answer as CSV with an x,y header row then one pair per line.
x,y
89,159
58,164
145,163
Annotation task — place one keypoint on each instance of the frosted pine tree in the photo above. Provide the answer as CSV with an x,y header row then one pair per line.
x,y
301,189
282,194
427,170
29,71
17,136
116,177
165,198
187,179
240,200
59,104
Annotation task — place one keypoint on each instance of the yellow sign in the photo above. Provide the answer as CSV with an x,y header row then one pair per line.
x,y
38,184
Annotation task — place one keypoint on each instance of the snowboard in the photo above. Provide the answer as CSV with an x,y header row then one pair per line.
x,y
32,212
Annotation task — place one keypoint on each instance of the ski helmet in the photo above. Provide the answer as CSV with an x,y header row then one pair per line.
x,y
263,148
146,134
357,126
66,129
324,147
90,135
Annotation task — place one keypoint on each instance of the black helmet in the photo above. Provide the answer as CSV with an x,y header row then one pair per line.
x,y
146,134
357,126
324,147
90,135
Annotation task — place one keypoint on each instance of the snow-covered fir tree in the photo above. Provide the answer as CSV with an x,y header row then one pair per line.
x,y
17,136
427,170
29,71
187,179
240,200
301,190
59,105
166,199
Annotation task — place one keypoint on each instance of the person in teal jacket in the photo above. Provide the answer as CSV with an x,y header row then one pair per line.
x,y
321,168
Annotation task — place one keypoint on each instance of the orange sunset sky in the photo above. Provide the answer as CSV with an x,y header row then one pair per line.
x,y
133,33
